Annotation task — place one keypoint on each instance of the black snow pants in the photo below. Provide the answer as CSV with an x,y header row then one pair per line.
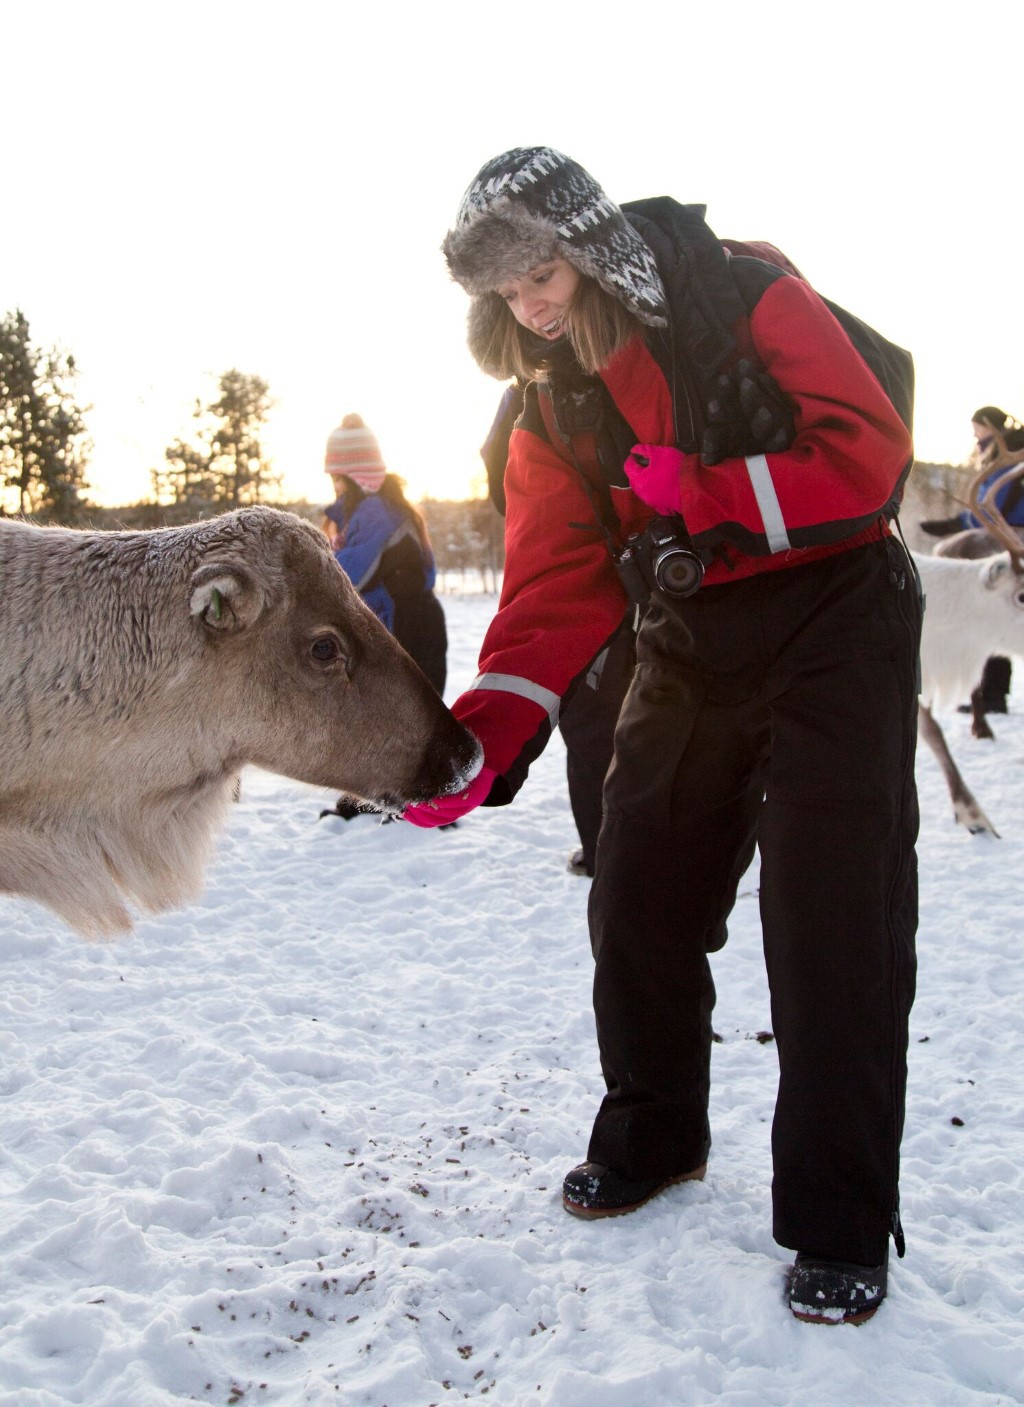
x,y
421,631
776,711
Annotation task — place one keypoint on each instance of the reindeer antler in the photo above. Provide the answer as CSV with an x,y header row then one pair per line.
x,y
983,506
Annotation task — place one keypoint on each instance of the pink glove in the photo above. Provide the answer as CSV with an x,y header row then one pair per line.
x,y
445,809
653,472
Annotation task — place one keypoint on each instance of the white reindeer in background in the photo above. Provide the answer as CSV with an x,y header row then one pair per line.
x,y
974,608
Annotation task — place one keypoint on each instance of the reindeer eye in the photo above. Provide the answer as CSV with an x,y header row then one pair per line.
x,y
325,649
1018,597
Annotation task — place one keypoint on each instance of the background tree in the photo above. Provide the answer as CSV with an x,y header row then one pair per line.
x,y
43,446
468,536
187,482
222,465
244,475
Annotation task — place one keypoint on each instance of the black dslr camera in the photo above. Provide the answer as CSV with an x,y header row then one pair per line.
x,y
660,558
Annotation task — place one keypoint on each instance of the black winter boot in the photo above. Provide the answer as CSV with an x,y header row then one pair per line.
x,y
835,1291
592,1190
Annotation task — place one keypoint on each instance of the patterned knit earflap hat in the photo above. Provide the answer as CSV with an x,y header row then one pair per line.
x,y
352,450
532,204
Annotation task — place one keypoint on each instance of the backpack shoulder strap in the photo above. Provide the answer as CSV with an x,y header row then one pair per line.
x,y
587,430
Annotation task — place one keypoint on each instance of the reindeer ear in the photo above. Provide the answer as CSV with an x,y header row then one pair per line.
x,y
225,596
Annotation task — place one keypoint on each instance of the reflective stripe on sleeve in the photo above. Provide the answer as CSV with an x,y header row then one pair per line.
x,y
768,503
597,669
525,688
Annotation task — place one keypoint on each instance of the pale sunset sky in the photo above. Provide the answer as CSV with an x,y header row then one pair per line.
x,y
202,186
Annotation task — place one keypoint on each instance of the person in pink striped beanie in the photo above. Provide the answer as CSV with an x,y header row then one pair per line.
x,y
381,541
352,450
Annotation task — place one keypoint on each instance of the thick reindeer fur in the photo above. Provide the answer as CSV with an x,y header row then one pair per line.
x,y
973,609
973,544
140,671
89,871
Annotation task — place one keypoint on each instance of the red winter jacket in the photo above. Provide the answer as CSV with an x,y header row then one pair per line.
x,y
562,599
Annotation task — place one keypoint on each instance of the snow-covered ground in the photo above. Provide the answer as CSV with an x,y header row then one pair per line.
x,y
303,1142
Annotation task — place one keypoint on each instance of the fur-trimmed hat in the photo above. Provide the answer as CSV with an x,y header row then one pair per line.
x,y
352,450
532,204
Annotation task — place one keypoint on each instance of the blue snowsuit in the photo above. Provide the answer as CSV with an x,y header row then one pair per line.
x,y
394,572
368,532
1009,500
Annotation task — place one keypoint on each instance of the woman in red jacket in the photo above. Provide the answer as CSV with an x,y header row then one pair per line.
x,y
701,430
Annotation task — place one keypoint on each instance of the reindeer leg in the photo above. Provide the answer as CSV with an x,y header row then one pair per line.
x,y
965,807
979,723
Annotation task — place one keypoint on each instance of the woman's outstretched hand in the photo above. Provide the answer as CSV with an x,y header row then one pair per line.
x,y
443,810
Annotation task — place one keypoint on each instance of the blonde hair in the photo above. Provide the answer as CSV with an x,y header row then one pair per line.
x,y
596,326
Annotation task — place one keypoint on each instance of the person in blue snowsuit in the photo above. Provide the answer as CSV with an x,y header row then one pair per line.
x,y
382,544
998,445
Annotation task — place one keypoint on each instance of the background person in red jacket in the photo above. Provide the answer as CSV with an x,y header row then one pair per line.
x,y
701,431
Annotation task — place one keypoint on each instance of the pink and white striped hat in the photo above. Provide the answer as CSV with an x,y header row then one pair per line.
x,y
352,450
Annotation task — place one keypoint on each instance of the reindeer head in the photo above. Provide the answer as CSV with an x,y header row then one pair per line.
x,y
999,574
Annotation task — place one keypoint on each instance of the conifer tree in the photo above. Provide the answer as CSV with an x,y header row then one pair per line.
x,y
43,449
222,465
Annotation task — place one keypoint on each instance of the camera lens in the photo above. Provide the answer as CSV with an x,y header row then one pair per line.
x,y
678,572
